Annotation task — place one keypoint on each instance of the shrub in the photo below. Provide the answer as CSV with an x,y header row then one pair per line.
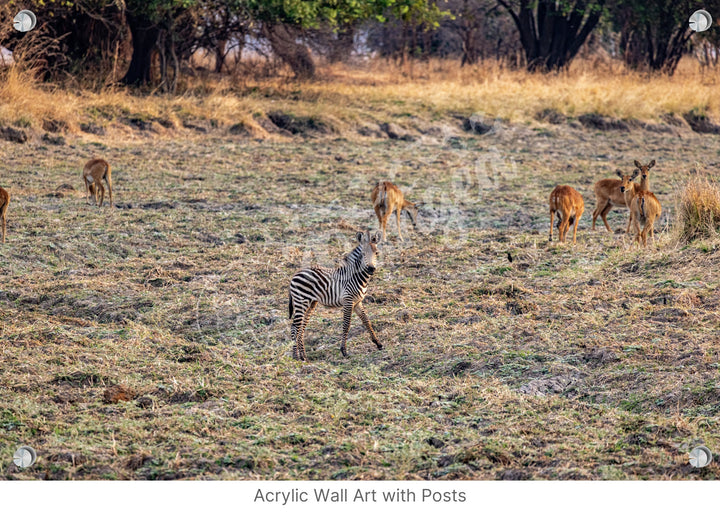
x,y
699,208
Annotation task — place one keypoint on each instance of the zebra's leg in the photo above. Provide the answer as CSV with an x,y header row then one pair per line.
x,y
301,341
347,315
297,329
360,311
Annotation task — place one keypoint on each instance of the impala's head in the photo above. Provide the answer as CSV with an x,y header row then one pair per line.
x,y
412,211
626,179
368,244
644,169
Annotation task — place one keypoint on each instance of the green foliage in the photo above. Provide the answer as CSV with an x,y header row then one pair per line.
x,y
156,10
311,13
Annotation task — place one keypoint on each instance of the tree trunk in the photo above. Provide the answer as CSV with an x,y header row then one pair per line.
x,y
550,36
342,47
144,39
297,56
471,53
220,50
656,47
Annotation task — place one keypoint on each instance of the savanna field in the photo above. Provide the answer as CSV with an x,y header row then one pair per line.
x,y
505,356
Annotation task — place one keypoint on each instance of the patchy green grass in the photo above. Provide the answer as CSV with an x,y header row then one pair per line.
x,y
598,361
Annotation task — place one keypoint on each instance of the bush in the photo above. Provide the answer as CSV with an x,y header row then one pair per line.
x,y
699,208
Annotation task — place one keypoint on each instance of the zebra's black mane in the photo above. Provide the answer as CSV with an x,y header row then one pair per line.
x,y
354,258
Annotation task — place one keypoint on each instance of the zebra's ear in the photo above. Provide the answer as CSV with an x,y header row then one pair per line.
x,y
377,237
360,236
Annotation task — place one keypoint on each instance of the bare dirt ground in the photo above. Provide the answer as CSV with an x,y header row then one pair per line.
x,y
594,361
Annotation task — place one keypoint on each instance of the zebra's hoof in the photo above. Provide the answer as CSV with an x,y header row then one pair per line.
x,y
344,353
379,345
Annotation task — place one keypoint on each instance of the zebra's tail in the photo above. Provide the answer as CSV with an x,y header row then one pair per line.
x,y
291,309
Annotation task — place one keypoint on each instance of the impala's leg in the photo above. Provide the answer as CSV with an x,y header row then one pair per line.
x,y
108,179
604,214
630,218
87,189
596,212
552,219
379,214
652,231
564,225
102,193
566,229
398,224
347,315
577,221
360,311
636,224
3,213
386,216
599,206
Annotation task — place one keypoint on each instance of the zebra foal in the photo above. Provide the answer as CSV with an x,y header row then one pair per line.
x,y
344,286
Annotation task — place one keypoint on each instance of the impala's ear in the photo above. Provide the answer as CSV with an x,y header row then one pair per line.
x,y
651,164
635,175
619,173
638,164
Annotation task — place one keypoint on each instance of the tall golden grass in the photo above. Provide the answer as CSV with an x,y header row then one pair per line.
x,y
699,209
379,89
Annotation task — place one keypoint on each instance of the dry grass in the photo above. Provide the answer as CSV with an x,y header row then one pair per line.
x,y
699,209
594,361
346,94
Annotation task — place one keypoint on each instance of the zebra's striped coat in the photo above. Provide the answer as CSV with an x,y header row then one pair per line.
x,y
344,286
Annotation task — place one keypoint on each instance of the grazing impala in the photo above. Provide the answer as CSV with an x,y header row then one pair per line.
x,y
568,204
94,172
4,202
608,195
387,198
